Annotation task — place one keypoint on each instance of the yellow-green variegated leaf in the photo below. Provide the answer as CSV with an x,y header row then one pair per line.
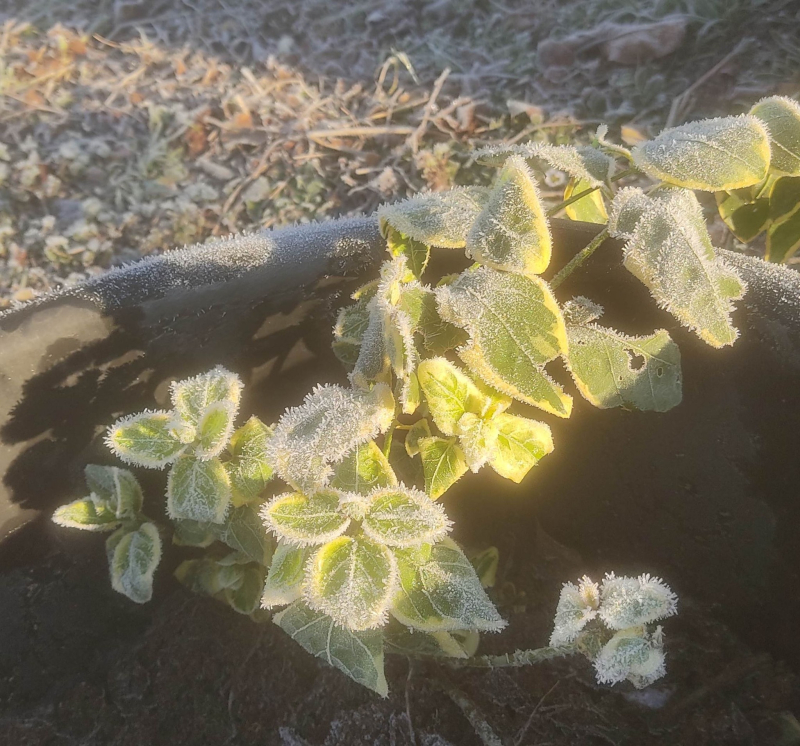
x,y
589,209
214,429
244,531
363,470
485,564
437,219
783,235
146,439
520,444
286,574
192,396
198,490
135,556
515,328
88,513
440,591
118,487
511,232
329,424
358,655
449,393
443,464
416,253
352,581
438,335
306,520
478,439
247,468
614,370
403,517
781,116
246,597
670,251
420,429
744,211
711,155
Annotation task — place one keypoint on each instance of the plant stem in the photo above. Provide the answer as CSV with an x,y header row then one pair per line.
x,y
580,195
513,660
579,258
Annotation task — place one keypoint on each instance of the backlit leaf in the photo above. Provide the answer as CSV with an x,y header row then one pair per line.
x,y
439,336
511,232
246,597
670,251
781,117
359,655
214,429
87,514
364,469
352,581
485,564
135,558
198,490
118,487
437,219
449,393
420,429
443,463
403,517
520,444
515,328
247,468
402,640
286,575
305,520
744,212
712,154
590,208
416,253
442,592
146,439
783,238
192,396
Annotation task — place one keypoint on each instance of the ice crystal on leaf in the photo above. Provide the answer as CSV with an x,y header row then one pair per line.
x,y
632,654
577,606
627,602
781,117
133,558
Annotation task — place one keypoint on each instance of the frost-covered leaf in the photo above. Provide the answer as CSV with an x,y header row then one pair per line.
x,y
244,531
478,438
192,396
359,655
136,555
117,487
439,336
198,490
515,328
352,581
214,429
627,602
248,468
286,575
364,469
631,654
781,117
614,370
329,424
577,606
670,251
420,429
744,211
246,597
440,591
712,154
88,514
306,520
194,534
443,464
351,324
372,362
402,640
511,232
146,439
437,219
627,209
520,444
403,517
416,253
485,564
590,208
449,393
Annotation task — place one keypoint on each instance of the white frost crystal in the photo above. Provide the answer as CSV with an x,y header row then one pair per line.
x,y
626,602
632,654
577,606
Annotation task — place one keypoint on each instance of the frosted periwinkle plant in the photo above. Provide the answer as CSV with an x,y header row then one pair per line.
x,y
308,523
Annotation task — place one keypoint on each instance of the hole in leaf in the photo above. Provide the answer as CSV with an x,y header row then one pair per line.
x,y
659,371
636,362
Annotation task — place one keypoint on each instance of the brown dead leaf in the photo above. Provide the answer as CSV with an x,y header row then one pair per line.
x,y
180,67
242,120
77,46
135,98
196,139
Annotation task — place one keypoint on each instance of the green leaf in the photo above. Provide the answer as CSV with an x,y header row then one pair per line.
x,y
711,155
511,232
781,116
744,212
437,219
329,424
214,429
515,328
403,517
248,469
670,251
117,488
244,531
613,370
439,336
520,444
416,253
306,520
351,325
420,429
589,209
88,514
358,655
402,640
194,534
784,198
246,597
136,555
783,238
485,564
364,469
449,393
352,581
198,490
146,439
286,575
192,396
443,464
478,439
442,592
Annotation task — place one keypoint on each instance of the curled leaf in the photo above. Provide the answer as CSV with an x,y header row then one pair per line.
x,y
88,514
781,117
134,556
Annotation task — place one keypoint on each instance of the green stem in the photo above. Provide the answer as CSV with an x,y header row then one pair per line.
x,y
387,439
580,195
579,258
513,660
